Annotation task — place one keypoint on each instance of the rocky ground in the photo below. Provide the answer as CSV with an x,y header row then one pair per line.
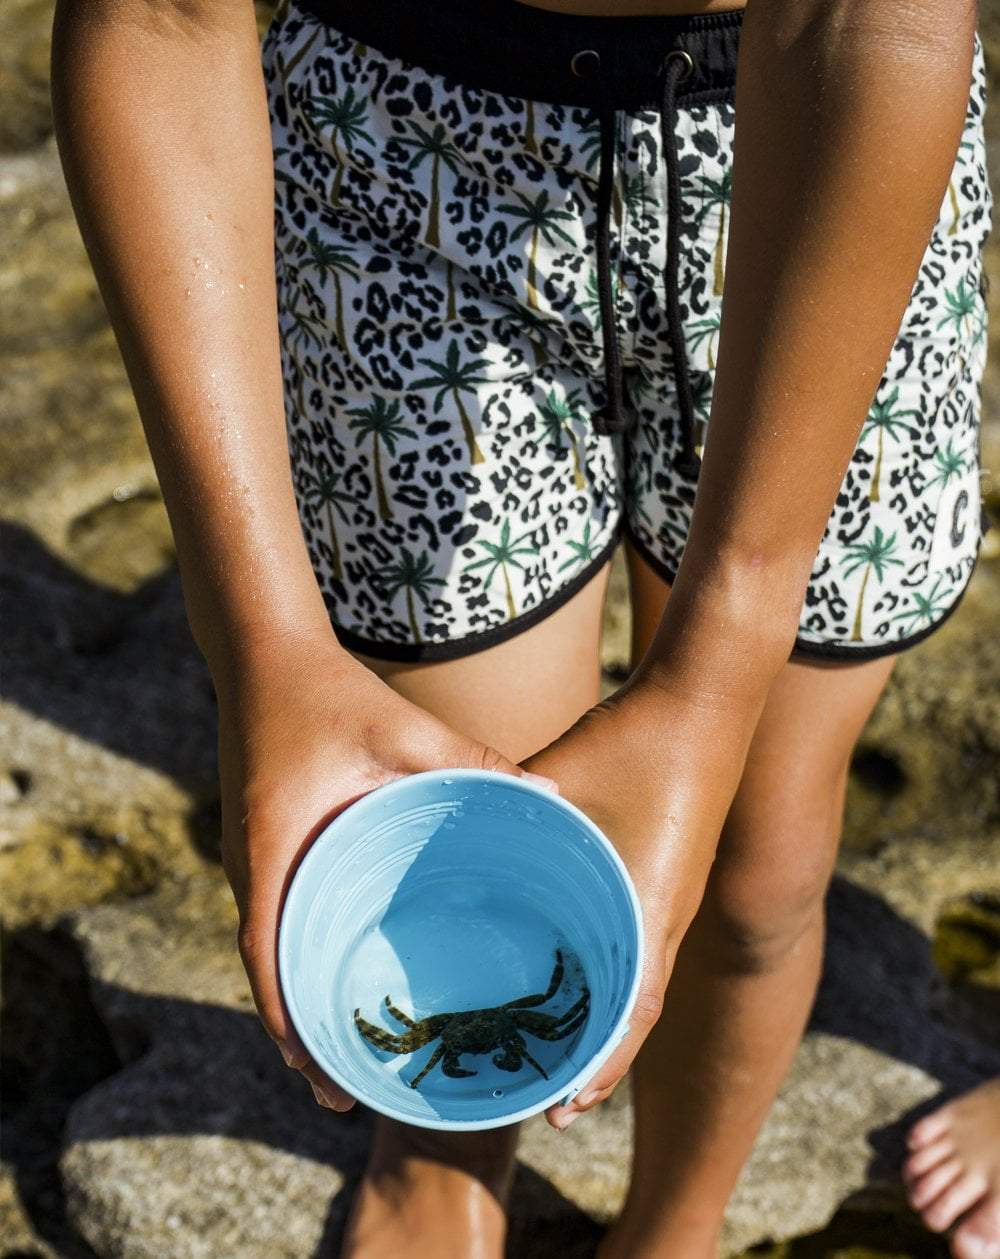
x,y
145,1114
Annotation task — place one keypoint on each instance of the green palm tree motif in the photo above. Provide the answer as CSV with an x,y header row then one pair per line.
x,y
717,193
926,608
415,575
345,116
305,329
583,551
590,151
382,422
968,146
540,218
534,328
960,303
877,555
882,419
501,554
322,491
558,415
454,376
636,193
950,463
434,145
635,489
331,260
592,302
706,329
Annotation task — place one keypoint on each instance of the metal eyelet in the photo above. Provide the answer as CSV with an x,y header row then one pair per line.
x,y
585,63
681,52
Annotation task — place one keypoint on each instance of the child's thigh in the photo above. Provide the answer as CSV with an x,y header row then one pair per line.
x,y
521,694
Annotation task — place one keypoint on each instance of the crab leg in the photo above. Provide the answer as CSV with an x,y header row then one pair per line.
x,y
398,1014
391,1041
431,1061
540,998
554,1032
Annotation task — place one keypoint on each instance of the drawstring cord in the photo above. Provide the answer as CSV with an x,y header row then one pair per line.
x,y
617,415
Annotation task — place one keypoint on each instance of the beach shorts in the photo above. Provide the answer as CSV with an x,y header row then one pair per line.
x,y
501,240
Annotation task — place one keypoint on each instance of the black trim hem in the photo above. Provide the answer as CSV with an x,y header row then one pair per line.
x,y
827,651
455,648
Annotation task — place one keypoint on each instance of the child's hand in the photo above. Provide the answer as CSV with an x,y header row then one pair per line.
x,y
657,772
302,734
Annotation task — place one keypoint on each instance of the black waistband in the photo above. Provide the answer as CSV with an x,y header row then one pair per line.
x,y
518,50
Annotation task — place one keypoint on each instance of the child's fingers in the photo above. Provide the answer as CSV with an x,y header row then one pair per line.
x,y
644,1014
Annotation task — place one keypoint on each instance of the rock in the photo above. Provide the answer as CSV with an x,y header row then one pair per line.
x,y
108,733
927,760
205,1145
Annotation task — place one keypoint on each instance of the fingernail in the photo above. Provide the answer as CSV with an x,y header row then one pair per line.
x,y
549,784
322,1098
565,1121
588,1098
286,1053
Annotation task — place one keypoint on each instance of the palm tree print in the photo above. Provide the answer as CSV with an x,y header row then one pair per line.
x,y
345,116
636,194
590,151
592,302
330,259
583,551
926,608
415,575
453,376
969,146
960,303
501,554
285,68
706,329
558,415
382,422
717,192
432,144
540,218
877,555
322,491
882,419
950,463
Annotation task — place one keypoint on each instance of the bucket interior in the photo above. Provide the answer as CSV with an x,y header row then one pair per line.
x,y
451,896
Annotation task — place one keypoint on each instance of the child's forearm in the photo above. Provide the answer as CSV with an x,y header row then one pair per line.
x,y
850,114
163,130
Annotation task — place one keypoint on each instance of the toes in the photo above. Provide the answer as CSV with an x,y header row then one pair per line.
x,y
933,1183
978,1237
930,1128
956,1199
924,1160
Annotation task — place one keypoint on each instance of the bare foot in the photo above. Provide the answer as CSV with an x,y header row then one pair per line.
x,y
954,1171
432,1193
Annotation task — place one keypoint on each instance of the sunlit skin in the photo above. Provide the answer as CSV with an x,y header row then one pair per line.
x,y
163,130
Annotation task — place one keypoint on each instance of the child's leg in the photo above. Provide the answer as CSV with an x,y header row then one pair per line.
x,y
443,1194
746,973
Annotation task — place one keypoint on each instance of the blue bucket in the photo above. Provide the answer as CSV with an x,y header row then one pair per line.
x,y
460,949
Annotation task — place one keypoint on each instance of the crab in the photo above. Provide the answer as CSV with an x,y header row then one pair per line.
x,y
480,1031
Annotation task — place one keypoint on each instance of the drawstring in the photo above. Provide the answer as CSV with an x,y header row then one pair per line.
x,y
616,416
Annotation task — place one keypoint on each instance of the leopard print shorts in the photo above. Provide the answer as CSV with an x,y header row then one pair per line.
x,y
445,352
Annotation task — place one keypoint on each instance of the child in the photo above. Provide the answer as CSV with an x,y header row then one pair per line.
x,y
503,233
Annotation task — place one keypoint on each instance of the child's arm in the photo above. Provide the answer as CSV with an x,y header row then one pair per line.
x,y
849,115
163,130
